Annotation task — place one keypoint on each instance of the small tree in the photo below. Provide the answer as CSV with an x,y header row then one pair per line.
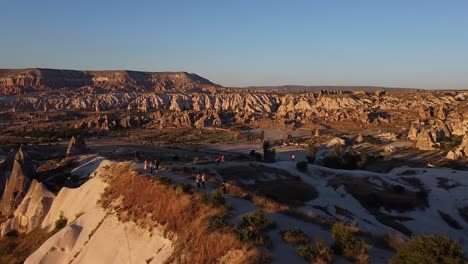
x,y
346,244
302,166
311,152
269,153
61,222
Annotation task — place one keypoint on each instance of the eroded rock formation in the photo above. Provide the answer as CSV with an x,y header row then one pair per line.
x,y
18,182
77,146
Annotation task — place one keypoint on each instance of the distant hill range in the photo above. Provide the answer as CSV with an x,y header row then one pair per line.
x,y
36,79
27,81
315,88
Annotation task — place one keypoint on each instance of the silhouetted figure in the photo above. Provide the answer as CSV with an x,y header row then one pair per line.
x,y
198,180
203,180
223,187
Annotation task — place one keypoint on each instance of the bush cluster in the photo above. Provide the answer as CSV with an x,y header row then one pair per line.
x,y
258,220
294,235
165,180
316,253
216,199
429,249
349,161
302,166
253,226
346,244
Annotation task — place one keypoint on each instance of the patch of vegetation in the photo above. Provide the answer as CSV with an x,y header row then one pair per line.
x,y
164,180
61,222
184,188
317,252
295,236
246,234
429,249
373,197
51,132
447,184
269,153
253,226
17,247
258,220
143,201
350,160
216,199
372,140
348,245
276,194
268,203
302,166
311,152
219,221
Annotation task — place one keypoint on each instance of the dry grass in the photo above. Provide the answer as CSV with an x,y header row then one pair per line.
x,y
140,199
16,248
269,203
294,235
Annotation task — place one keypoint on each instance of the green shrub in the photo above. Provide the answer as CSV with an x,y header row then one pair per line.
x,y
350,161
429,249
216,198
258,220
247,234
316,253
332,161
294,235
61,222
311,152
346,244
184,188
301,166
218,221
269,153
165,180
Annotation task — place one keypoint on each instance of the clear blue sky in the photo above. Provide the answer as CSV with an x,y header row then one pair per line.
x,y
406,43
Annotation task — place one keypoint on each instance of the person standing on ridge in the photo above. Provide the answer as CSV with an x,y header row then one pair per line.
x,y
203,180
224,187
198,179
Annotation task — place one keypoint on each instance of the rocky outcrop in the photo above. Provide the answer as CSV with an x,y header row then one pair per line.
x,y
424,140
17,183
77,146
5,170
359,138
32,210
413,132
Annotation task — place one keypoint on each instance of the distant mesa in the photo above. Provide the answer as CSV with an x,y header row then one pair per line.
x,y
36,79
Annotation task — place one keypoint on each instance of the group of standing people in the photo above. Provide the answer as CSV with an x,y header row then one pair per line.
x,y
200,179
292,157
219,159
151,166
